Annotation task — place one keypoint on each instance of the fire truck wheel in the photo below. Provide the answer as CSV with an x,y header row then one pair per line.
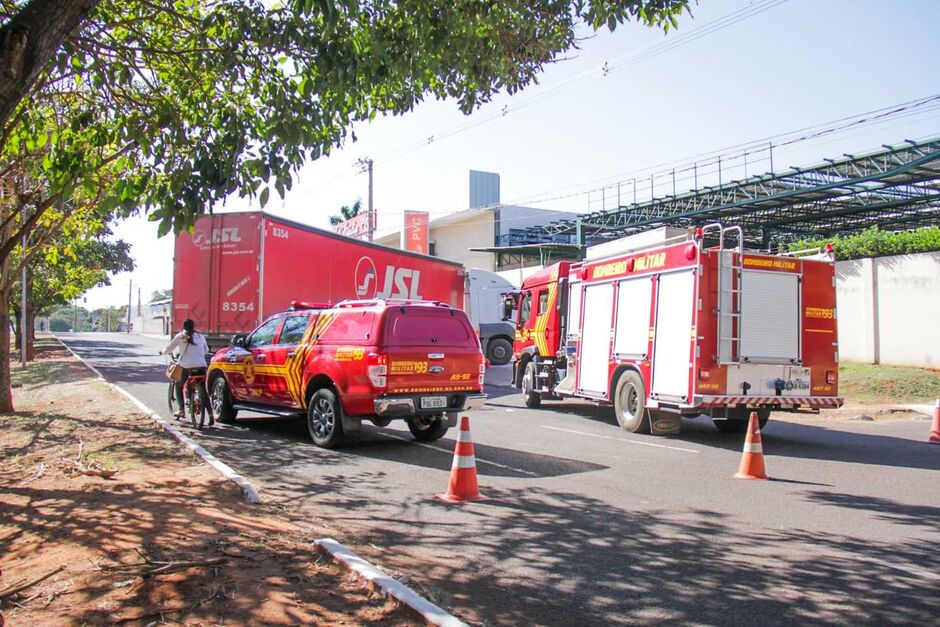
x,y
499,351
426,429
220,403
325,419
532,398
630,403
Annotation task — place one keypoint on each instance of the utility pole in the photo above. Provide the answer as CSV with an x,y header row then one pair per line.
x,y
130,298
365,165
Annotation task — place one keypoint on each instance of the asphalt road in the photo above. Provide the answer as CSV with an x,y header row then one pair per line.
x,y
588,525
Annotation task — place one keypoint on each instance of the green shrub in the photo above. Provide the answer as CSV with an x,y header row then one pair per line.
x,y
873,242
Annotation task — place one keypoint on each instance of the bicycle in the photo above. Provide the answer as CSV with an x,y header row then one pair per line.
x,y
197,399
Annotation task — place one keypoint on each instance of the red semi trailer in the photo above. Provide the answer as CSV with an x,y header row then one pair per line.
x,y
662,326
237,269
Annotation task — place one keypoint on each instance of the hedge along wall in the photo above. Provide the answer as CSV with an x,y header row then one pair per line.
x,y
874,242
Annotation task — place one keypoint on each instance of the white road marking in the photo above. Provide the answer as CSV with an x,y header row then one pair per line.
x,y
444,450
628,441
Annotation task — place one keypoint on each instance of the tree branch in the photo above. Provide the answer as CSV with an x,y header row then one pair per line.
x,y
28,43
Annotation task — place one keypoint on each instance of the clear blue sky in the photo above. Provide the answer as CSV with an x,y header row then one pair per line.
x,y
797,64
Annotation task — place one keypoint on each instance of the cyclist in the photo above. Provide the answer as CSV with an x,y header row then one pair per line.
x,y
192,347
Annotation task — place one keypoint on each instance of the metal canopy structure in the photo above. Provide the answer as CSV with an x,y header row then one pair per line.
x,y
896,188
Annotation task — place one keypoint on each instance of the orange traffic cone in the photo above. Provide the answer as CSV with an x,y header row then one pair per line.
x,y
463,474
752,461
935,429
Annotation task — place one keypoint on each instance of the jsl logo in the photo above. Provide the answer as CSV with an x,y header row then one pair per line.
x,y
399,282
218,236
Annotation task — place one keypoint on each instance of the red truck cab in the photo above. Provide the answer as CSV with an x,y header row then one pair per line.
x,y
376,359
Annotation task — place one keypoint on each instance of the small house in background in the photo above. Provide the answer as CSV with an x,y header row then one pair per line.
x,y
154,318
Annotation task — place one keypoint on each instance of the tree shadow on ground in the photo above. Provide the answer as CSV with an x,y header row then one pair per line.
x,y
121,523
585,562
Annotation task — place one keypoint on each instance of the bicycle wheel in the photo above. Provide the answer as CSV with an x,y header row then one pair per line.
x,y
171,398
196,406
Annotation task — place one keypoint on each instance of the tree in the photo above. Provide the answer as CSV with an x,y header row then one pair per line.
x,y
347,212
80,257
170,107
68,318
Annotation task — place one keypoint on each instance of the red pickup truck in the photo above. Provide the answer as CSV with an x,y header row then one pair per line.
x,y
374,359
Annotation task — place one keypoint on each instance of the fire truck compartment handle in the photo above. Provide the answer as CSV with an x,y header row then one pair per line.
x,y
292,353
261,356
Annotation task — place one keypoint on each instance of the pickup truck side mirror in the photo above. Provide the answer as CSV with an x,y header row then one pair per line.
x,y
239,340
509,304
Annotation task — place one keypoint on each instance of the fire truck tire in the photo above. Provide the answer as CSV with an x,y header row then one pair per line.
x,y
220,402
426,429
738,419
532,398
325,419
499,351
630,403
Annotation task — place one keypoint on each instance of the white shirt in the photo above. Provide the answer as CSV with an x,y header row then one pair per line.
x,y
191,355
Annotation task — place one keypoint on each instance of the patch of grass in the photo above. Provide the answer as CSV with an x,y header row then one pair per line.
x,y
888,384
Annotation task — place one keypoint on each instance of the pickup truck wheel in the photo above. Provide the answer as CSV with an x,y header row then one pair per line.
x,y
630,403
220,403
532,398
499,352
426,429
325,419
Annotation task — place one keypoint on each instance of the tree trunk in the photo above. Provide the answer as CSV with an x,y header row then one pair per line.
x,y
30,40
6,392
30,332
15,321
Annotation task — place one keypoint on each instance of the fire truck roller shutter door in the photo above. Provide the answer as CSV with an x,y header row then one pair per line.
x,y
574,309
770,317
673,338
631,334
594,359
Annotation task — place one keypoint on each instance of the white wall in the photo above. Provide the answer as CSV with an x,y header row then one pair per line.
x,y
889,308
452,240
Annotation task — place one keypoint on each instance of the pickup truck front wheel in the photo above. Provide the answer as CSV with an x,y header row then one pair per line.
x,y
220,403
426,429
325,419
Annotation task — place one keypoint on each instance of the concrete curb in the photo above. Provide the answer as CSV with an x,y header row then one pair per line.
x,y
389,586
251,494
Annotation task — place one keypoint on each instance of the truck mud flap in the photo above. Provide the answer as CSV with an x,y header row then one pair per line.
x,y
662,423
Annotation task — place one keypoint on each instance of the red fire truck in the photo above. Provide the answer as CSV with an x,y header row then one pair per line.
x,y
660,326
237,269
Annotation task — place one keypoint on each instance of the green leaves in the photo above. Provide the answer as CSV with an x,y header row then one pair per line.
x,y
873,242
170,106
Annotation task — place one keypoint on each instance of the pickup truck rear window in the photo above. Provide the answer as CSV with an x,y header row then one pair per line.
x,y
349,326
416,329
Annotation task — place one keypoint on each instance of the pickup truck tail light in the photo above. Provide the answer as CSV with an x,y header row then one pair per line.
x,y
482,373
377,368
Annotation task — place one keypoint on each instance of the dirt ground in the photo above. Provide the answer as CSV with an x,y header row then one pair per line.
x,y
164,540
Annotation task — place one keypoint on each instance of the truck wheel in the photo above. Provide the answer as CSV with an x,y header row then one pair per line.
x,y
738,419
532,398
220,402
499,351
426,429
325,419
630,403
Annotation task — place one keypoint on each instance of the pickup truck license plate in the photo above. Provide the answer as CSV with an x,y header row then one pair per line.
x,y
433,402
